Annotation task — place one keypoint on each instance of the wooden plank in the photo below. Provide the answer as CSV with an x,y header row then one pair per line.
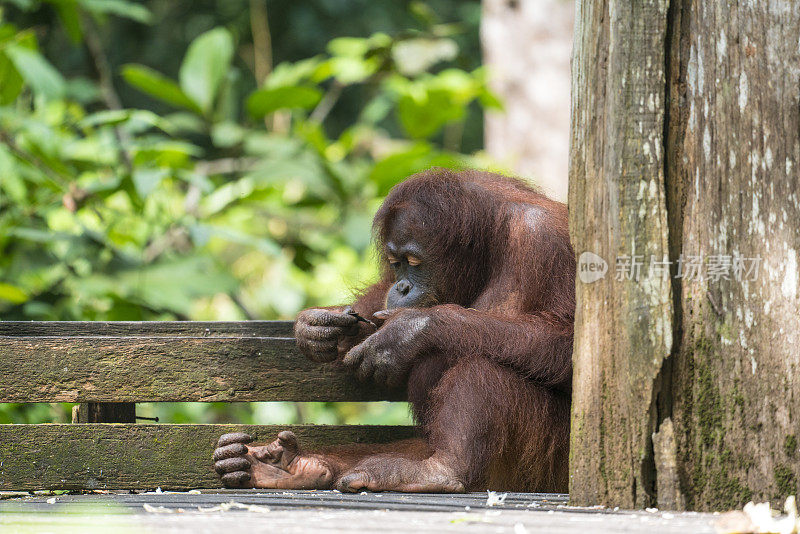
x,y
118,513
297,500
148,328
124,456
162,369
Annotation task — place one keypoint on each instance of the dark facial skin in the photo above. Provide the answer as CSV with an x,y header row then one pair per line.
x,y
413,287
386,355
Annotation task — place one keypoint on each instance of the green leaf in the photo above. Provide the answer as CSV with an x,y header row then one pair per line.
x,y
265,101
423,13
293,73
36,235
420,156
12,294
227,134
489,100
105,117
70,19
137,120
11,82
168,285
422,118
173,154
146,180
120,8
349,70
348,46
205,65
157,85
82,90
37,71
263,244
10,180
173,285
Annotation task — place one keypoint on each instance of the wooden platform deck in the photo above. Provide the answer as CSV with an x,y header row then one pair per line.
x,y
252,511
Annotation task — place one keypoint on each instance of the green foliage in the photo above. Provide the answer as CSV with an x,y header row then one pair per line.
x,y
206,63
159,86
222,207
269,100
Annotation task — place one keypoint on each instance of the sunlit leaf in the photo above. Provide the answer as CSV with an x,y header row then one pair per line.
x,y
260,243
166,154
286,73
490,100
266,101
99,150
349,70
348,46
12,294
37,71
227,134
422,118
109,117
170,285
146,180
205,65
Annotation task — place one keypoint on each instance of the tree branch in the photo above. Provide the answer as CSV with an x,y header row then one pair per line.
x,y
110,97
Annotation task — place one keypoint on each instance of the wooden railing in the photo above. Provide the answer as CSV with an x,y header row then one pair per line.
x,y
107,367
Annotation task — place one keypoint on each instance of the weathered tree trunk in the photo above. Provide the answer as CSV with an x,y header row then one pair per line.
x,y
526,45
685,147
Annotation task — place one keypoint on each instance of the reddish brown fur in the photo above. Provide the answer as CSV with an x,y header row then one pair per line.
x,y
491,391
503,250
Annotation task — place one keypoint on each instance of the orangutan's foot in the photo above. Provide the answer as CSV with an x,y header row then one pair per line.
x,y
279,465
382,473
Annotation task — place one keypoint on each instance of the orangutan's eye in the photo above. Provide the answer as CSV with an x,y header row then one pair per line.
x,y
414,261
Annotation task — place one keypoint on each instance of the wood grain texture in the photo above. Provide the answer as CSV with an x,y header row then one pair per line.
x,y
736,380
129,456
686,389
171,368
623,328
149,328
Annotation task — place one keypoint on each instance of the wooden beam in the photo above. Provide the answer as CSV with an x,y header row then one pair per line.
x,y
164,369
148,328
129,456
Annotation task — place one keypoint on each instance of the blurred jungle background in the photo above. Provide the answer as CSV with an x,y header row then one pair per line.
x,y
222,159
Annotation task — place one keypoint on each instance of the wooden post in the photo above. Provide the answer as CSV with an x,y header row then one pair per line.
x,y
106,412
685,156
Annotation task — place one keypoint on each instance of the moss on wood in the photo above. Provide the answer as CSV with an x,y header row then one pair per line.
x,y
171,368
130,456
